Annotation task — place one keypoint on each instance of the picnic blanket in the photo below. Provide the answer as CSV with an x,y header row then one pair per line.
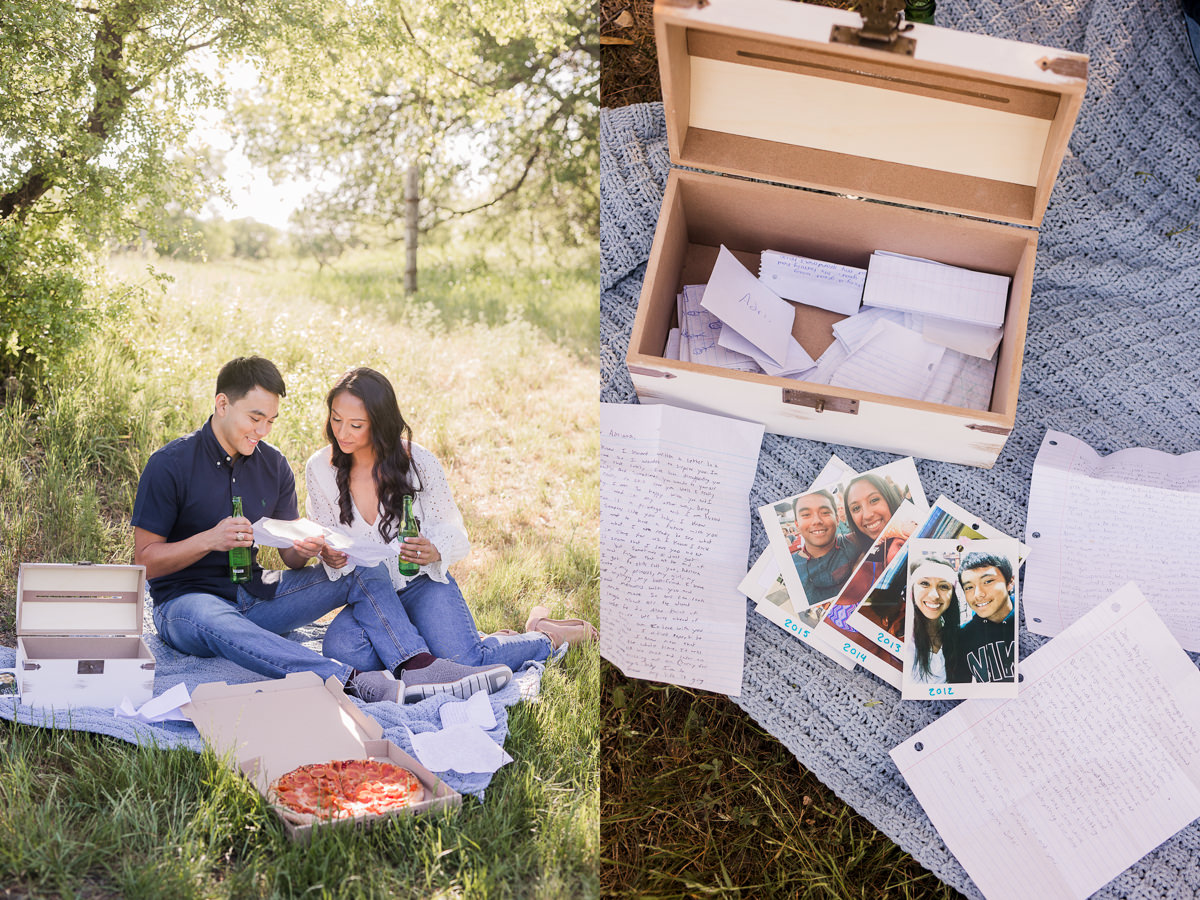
x,y
1112,357
173,667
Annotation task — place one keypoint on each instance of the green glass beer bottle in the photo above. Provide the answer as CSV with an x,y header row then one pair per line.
x,y
239,557
409,527
919,11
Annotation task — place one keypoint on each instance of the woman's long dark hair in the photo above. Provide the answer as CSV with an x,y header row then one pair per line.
x,y
948,624
890,493
394,472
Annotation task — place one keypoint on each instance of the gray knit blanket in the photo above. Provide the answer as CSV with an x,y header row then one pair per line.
x,y
173,667
1112,357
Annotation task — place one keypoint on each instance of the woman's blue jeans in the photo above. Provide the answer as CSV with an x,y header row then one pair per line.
x,y
429,616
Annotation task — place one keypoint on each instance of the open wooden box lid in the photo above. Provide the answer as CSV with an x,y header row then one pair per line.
x,y
943,120
80,599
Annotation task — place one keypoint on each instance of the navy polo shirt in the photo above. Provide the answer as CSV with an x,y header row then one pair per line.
x,y
188,487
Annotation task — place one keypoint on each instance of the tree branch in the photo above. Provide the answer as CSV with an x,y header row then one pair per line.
x,y
111,100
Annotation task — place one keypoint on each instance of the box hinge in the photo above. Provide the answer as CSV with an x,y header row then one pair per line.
x,y
90,667
990,429
882,24
653,373
820,402
1061,65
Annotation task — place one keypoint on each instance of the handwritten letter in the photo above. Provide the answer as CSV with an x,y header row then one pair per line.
x,y
1096,522
674,537
736,297
1094,764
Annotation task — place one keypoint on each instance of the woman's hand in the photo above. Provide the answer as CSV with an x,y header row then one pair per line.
x,y
419,550
335,559
309,547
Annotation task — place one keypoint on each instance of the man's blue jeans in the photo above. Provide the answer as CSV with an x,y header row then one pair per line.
x,y
250,631
439,619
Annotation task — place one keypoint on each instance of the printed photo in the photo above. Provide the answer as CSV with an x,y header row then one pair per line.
x,y
8,682
819,537
836,625
961,619
881,614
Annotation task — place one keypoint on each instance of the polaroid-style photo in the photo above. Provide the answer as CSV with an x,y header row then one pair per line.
x,y
836,627
801,625
8,683
820,536
881,614
961,617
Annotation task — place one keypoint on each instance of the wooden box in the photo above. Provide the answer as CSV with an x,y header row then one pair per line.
x,y
945,146
79,635
267,728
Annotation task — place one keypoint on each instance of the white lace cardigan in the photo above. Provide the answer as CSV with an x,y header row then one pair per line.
x,y
433,505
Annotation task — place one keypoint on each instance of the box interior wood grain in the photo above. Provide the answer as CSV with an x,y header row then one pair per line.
x,y
808,145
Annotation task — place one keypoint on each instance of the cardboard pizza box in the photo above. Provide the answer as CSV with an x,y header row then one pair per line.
x,y
799,135
79,635
267,728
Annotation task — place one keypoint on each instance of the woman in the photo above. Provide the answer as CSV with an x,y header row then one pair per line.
x,y
357,485
934,634
870,503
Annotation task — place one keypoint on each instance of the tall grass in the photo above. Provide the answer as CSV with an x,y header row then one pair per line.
x,y
506,401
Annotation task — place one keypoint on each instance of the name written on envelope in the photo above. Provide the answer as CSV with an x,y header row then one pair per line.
x,y
736,297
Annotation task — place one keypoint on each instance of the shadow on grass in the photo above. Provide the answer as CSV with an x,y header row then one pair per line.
x,y
698,801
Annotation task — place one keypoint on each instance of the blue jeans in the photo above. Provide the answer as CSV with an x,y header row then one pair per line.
x,y
250,631
439,620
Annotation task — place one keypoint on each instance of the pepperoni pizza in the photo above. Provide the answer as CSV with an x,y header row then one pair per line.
x,y
346,788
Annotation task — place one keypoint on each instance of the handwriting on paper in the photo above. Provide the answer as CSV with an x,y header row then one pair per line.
x,y
1079,776
813,282
1081,542
736,297
674,495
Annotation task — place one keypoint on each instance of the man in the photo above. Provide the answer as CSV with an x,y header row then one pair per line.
x,y
988,641
183,532
826,558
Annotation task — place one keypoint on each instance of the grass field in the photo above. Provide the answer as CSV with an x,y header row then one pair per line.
x,y
495,366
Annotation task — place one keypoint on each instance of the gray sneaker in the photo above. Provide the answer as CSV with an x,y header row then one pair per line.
x,y
372,687
445,677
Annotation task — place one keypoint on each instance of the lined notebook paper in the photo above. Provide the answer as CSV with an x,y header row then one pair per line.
x,y
674,537
1094,522
923,286
1093,765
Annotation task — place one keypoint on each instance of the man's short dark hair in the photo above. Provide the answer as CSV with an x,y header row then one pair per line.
x,y
824,493
983,560
240,376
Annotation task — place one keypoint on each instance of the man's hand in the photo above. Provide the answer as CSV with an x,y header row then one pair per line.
x,y
161,557
235,531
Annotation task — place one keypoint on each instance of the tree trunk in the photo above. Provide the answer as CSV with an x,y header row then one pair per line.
x,y
411,199
108,106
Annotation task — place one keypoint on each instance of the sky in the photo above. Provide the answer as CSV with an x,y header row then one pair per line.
x,y
254,195
252,192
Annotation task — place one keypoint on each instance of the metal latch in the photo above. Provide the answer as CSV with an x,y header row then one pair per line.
x,y
90,667
882,24
820,402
